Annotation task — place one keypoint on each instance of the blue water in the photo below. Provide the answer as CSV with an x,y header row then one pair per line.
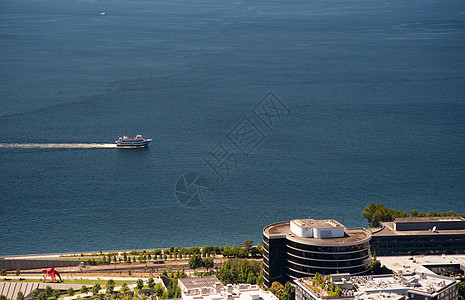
x,y
375,89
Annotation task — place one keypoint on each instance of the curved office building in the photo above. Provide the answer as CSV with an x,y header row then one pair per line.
x,y
301,248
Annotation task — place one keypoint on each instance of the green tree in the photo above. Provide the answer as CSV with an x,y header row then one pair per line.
x,y
20,296
208,263
277,289
18,272
173,290
318,279
378,269
110,286
3,272
376,213
48,291
247,246
209,249
124,288
289,292
256,252
71,291
96,289
158,290
42,296
461,290
34,294
56,293
260,277
130,271
151,282
84,289
140,284
3,297
195,262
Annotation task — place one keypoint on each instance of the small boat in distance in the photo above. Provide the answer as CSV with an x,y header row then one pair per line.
x,y
132,142
103,13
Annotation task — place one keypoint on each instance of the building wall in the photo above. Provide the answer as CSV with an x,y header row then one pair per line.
x,y
301,231
322,233
418,244
306,260
25,264
285,259
274,252
449,293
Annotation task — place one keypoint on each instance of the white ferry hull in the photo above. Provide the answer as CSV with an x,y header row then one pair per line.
x,y
132,146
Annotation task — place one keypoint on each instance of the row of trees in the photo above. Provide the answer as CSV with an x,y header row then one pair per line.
x,y
3,272
376,213
47,293
247,250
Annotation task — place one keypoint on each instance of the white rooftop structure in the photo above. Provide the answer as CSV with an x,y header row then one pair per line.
x,y
319,229
403,284
419,263
217,291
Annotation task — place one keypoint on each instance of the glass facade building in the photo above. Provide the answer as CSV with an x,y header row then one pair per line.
x,y
288,256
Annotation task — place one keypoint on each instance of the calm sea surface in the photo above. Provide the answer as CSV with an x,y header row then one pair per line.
x,y
375,91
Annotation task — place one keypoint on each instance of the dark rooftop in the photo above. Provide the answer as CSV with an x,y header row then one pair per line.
x,y
388,229
430,219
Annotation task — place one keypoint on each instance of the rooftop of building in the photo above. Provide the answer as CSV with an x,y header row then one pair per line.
x,y
352,235
381,295
200,282
420,263
230,291
429,219
389,286
311,223
424,283
389,229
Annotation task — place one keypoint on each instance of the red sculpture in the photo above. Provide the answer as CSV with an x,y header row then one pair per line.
x,y
52,273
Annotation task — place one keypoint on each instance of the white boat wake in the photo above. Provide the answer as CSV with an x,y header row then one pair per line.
x,y
54,146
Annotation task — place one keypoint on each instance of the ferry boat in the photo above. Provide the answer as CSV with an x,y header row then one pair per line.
x,y
132,142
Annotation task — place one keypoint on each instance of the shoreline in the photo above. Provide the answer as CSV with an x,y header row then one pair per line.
x,y
66,255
